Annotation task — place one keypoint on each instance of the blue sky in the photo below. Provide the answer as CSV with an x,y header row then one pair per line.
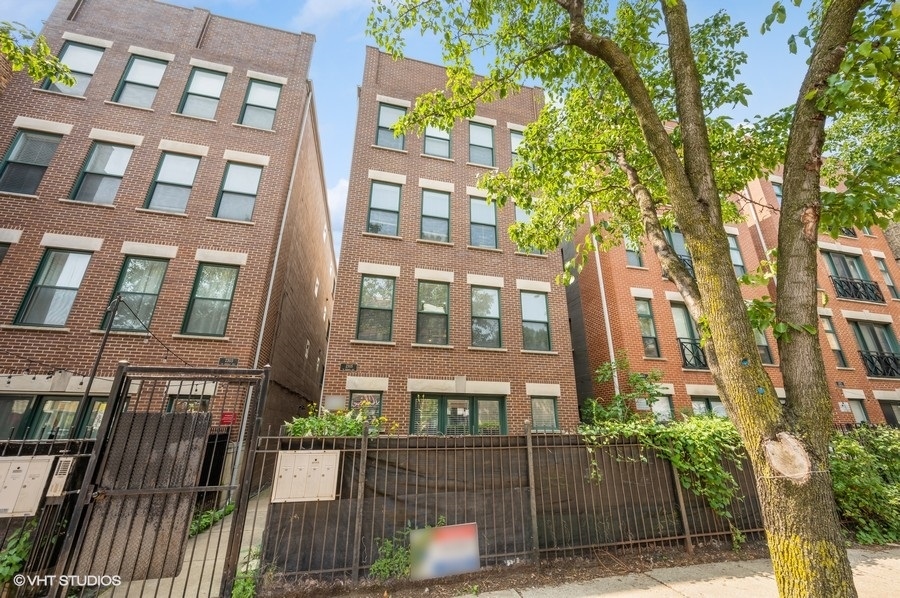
x,y
772,73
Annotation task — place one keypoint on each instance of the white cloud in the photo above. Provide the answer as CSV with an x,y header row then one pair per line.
x,y
337,205
316,13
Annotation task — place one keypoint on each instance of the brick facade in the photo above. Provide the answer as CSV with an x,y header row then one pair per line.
x,y
401,368
257,323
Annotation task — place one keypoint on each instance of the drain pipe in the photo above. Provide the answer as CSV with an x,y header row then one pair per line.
x,y
609,341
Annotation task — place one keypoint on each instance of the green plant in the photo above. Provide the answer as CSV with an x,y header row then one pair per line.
x,y
15,553
247,575
337,423
394,559
865,475
206,519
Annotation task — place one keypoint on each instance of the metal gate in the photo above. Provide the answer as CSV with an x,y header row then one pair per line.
x,y
169,456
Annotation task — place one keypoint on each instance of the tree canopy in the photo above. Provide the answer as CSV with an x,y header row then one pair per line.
x,y
28,51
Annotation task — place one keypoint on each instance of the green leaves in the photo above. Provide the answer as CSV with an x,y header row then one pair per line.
x,y
29,52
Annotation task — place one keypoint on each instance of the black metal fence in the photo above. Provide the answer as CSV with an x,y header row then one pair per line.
x,y
532,496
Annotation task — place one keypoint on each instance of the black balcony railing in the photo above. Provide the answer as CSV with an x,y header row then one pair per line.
x,y
688,263
848,232
882,365
692,355
855,288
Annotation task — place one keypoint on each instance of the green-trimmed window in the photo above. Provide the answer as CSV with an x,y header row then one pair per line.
x,y
437,142
535,321
736,260
662,408
435,216
82,61
515,139
210,304
482,223
858,409
201,96
486,317
831,337
778,188
53,290
457,415
886,276
171,188
237,197
368,399
543,414
103,171
762,346
260,104
27,161
648,328
481,144
633,254
376,309
388,116
708,405
139,283
140,81
384,209
524,217
433,313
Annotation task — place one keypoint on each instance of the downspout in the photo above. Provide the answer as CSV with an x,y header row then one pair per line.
x,y
609,340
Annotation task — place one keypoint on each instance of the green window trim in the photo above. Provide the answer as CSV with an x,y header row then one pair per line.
x,y
762,346
435,221
388,115
139,283
172,182
648,328
886,276
535,321
82,60
384,208
481,150
433,313
524,217
102,172
26,161
633,253
140,81
202,93
736,259
437,143
544,414
487,330
207,314
372,398
238,192
833,342
260,106
375,318
457,415
54,288
482,223
515,139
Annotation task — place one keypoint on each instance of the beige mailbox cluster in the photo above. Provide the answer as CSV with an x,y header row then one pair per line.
x,y
305,476
22,483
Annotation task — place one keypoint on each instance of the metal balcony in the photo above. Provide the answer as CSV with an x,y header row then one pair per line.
x,y
856,288
688,263
692,355
881,365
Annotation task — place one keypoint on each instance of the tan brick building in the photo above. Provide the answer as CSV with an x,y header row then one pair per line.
x,y
182,172
441,322
647,319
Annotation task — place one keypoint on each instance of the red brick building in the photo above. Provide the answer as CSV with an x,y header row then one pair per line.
x,y
441,321
647,320
181,172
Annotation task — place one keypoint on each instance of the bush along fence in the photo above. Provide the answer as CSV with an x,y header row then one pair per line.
x,y
533,496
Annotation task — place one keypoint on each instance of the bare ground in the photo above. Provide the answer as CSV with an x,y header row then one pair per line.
x,y
603,563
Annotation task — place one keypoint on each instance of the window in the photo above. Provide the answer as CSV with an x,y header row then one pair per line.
x,y
692,355
633,255
52,293
543,414
515,139
238,195
678,245
27,161
140,81
201,97
831,336
435,216
486,317
387,117
482,223
370,401
82,61
187,404
376,309
457,415
103,171
762,345
207,312
859,411
888,281
172,186
524,217
535,321
139,284
848,231
14,411
662,408
867,231
437,142
432,317
878,348
708,405
384,209
260,104
778,188
736,258
648,328
4,247
481,144
850,278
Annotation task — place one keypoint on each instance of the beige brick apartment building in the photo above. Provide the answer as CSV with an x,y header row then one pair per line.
x,y
647,319
183,172
441,321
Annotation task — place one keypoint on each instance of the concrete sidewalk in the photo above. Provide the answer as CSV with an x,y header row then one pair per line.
x,y
876,573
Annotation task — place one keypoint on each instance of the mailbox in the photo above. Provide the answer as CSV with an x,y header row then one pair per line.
x,y
22,483
305,476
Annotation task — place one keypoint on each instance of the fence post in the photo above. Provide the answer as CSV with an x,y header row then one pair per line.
x,y
535,547
688,545
361,488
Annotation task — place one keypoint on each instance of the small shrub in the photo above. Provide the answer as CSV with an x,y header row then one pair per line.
x,y
394,557
206,519
15,553
247,575
337,423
